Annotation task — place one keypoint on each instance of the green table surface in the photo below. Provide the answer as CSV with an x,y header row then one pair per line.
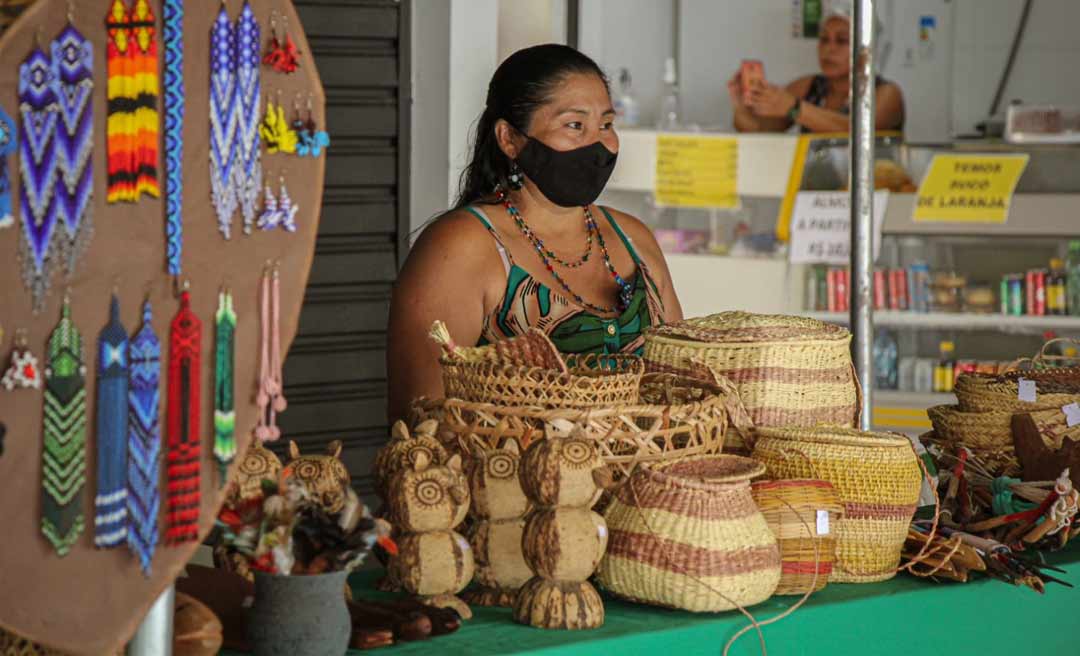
x,y
904,616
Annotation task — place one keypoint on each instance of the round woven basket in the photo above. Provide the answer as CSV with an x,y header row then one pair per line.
x,y
878,479
789,371
688,535
807,539
982,393
592,381
687,418
985,430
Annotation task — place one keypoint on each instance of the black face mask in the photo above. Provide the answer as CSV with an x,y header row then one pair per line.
x,y
569,178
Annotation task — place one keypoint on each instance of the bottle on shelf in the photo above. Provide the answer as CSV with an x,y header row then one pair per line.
x,y
1056,302
670,117
945,370
627,114
885,361
1072,279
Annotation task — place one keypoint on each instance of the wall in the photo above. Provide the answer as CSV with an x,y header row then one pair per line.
x,y
430,143
1045,67
524,23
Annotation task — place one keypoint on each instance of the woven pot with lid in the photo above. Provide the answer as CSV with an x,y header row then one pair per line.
x,y
789,371
878,478
688,535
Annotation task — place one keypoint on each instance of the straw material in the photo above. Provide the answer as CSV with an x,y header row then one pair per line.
x,y
789,371
878,479
688,535
998,461
690,419
982,393
591,381
985,430
791,510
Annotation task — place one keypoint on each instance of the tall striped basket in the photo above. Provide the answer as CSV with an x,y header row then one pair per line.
x,y
789,371
878,478
803,515
688,535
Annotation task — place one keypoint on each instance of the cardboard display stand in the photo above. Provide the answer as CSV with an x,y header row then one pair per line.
x,y
91,600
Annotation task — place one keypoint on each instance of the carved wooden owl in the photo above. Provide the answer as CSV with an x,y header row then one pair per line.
x,y
428,496
402,451
258,464
323,476
559,471
493,482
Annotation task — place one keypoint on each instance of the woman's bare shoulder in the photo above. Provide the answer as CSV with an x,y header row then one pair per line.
x,y
638,232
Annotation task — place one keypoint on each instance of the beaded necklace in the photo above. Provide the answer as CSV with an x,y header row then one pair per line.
x,y
538,243
626,292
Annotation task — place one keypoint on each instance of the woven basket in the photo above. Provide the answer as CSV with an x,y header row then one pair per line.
x,y
789,371
592,381
792,509
997,461
982,393
688,535
689,419
878,479
985,430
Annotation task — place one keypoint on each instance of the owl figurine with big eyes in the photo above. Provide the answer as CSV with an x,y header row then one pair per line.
x,y
564,539
498,511
427,501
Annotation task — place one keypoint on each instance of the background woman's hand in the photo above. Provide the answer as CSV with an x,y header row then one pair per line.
x,y
734,87
772,101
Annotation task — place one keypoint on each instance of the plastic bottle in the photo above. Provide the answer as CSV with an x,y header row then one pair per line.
x,y
670,117
1056,301
627,114
1072,279
945,370
885,361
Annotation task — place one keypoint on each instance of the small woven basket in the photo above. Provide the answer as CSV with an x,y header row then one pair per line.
x,y
686,418
688,535
591,381
982,393
985,430
878,478
789,371
807,539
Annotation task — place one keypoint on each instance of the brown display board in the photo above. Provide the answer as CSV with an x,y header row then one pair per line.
x,y
91,601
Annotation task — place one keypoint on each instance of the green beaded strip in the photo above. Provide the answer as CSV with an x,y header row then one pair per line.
x,y
224,407
64,452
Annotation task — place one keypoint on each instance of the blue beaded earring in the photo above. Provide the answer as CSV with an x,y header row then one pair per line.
x,y
516,177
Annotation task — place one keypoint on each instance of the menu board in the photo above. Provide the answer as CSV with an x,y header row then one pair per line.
x,y
696,171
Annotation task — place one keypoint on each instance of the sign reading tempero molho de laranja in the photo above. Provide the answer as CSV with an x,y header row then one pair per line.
x,y
696,171
968,188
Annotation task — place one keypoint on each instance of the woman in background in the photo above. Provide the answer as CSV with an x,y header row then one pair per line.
x,y
816,103
525,247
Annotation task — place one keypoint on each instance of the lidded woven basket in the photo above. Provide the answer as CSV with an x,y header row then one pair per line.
x,y
878,478
688,535
803,515
789,371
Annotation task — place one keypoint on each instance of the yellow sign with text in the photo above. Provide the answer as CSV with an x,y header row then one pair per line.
x,y
969,188
696,171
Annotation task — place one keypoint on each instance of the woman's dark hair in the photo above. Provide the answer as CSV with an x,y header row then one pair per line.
x,y
520,86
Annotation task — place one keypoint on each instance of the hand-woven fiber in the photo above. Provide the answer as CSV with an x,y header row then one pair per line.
x,y
90,601
739,326
878,479
982,393
987,430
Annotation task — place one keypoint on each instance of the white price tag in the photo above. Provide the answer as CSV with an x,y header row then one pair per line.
x,y
823,522
1027,390
1072,414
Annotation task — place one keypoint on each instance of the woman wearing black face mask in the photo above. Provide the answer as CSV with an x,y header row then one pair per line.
x,y
525,246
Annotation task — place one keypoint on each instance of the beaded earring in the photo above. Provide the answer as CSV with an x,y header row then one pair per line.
x,y
516,179
312,140
23,371
271,215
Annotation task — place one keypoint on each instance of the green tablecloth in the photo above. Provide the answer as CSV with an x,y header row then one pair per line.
x,y
905,616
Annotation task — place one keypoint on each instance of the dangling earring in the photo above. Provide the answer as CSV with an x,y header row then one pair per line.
x,y
312,140
290,55
269,128
274,53
516,177
270,216
287,209
23,372
286,136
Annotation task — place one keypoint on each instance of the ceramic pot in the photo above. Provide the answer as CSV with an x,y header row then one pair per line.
x,y
299,615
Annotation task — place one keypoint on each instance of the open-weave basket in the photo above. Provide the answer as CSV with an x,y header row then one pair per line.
x,y
878,478
985,430
789,371
792,509
688,535
983,393
591,381
689,418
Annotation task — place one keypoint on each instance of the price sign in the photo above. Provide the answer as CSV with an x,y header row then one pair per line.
x,y
821,226
696,171
969,188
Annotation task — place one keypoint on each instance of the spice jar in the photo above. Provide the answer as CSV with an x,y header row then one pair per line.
x,y
947,291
